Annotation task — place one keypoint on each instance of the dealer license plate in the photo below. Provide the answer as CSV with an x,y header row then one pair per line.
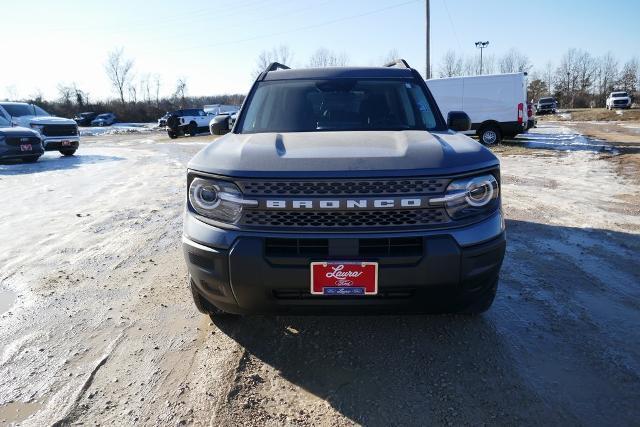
x,y
344,278
26,147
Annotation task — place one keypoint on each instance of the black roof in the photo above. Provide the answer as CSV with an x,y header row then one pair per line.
x,y
339,72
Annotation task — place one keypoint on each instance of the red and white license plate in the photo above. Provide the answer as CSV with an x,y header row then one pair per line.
x,y
26,147
66,143
344,278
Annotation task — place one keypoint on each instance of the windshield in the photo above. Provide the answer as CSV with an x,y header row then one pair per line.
x,y
619,94
338,105
546,99
4,122
103,116
19,110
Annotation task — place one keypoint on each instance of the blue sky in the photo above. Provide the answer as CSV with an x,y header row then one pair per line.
x,y
214,44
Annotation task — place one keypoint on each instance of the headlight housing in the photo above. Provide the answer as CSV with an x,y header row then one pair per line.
x,y
37,128
217,199
472,196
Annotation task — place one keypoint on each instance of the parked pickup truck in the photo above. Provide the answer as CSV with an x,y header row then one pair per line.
x,y
57,133
618,100
343,190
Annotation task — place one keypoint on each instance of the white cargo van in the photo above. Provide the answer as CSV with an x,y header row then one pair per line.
x,y
496,104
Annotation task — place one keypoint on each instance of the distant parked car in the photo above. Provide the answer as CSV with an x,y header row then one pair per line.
x,y
546,105
162,121
618,100
189,121
106,119
84,119
18,142
56,133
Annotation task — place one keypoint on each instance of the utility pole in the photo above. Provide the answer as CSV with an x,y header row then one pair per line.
x,y
428,28
481,46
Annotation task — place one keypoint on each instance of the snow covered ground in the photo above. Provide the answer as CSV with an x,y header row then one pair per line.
x,y
97,325
118,128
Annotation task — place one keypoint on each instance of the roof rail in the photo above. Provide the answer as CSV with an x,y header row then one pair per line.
x,y
398,62
276,66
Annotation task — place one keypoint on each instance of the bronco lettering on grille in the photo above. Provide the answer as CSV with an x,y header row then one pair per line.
x,y
346,203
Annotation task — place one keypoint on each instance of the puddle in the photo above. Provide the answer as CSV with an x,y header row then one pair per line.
x,y
16,412
7,298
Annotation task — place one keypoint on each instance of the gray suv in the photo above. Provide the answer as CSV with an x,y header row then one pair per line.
x,y
343,190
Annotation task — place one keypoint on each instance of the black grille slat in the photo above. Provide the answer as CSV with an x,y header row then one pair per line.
x,y
60,130
296,247
344,187
342,219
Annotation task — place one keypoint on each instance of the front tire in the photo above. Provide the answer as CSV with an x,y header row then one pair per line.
x,y
193,128
172,134
68,153
490,135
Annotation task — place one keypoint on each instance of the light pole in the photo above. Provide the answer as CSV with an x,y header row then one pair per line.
x,y
481,46
428,31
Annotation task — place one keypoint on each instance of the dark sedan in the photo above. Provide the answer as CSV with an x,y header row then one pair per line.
x,y
84,119
17,143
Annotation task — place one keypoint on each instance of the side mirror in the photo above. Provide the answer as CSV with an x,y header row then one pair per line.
x,y
220,125
458,121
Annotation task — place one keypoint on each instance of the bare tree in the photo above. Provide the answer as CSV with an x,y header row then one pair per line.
x,y
451,65
281,54
181,90
12,92
629,76
119,70
391,56
327,58
65,93
607,75
514,62
156,86
548,72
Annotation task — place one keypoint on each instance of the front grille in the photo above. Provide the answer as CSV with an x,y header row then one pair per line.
x,y
344,219
60,130
344,187
17,140
620,102
307,248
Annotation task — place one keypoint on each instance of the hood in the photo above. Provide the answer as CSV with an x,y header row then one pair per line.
x,y
343,154
17,132
26,121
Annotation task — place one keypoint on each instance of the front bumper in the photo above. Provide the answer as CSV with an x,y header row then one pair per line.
x,y
9,152
56,143
237,272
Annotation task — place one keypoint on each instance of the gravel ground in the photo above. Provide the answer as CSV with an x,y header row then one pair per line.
x,y
97,325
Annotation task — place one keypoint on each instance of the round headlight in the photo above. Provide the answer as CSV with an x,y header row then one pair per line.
x,y
204,194
216,199
480,191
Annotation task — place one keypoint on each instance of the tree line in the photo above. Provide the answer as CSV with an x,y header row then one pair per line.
x,y
580,79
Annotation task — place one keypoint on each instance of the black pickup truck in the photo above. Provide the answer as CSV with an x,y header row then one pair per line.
x,y
343,190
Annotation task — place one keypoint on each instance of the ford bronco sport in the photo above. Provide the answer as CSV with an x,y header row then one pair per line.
x,y
343,190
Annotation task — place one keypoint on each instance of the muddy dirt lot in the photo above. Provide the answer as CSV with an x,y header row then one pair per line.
x,y
97,324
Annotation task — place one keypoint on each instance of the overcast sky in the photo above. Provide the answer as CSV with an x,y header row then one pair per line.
x,y
214,44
